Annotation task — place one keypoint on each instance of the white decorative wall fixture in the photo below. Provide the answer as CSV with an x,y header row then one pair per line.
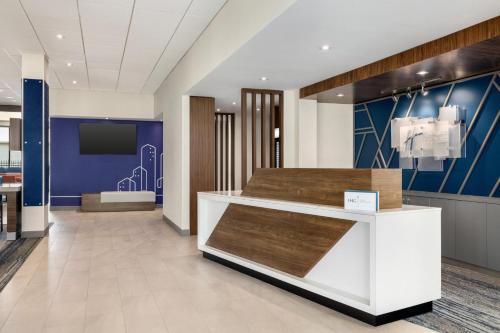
x,y
427,142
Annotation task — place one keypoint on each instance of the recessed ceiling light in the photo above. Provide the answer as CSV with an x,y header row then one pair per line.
x,y
263,78
106,118
325,47
9,97
69,64
258,109
59,36
218,110
422,73
75,82
340,95
234,103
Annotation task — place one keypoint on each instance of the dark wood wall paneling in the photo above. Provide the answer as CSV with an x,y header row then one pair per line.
x,y
269,112
224,136
475,45
202,158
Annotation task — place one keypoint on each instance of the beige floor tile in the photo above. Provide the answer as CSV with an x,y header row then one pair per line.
x,y
130,272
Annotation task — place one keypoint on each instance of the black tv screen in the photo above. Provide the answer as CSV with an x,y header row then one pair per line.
x,y
108,139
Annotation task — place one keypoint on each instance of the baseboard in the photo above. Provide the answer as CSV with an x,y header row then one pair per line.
x,y
334,305
182,232
36,234
56,208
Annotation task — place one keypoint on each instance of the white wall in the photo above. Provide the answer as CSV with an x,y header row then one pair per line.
x,y
335,135
100,104
243,19
308,140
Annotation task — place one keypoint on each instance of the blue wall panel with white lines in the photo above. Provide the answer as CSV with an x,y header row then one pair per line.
x,y
476,174
73,173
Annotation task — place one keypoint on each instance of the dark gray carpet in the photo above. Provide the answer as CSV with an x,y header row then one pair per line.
x,y
470,303
12,256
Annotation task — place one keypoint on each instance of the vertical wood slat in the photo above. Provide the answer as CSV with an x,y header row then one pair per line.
x,y
271,132
233,187
216,120
201,153
226,138
262,133
254,125
221,152
282,140
243,138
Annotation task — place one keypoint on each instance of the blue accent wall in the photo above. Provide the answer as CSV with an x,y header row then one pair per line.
x,y
72,173
478,96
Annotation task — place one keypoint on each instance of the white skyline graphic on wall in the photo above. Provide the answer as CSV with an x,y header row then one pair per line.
x,y
145,177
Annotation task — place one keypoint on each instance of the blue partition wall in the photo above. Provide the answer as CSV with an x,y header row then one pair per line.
x,y
476,174
73,174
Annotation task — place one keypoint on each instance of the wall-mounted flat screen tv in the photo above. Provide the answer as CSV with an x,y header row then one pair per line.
x,y
108,139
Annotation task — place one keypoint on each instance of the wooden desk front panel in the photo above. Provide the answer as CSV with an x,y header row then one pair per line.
x,y
289,242
325,186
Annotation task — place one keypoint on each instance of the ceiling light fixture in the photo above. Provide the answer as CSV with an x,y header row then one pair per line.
x,y
69,64
59,36
325,47
234,103
422,90
263,78
75,82
340,95
9,97
218,110
422,73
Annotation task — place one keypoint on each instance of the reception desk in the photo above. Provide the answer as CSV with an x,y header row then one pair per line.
x,y
375,266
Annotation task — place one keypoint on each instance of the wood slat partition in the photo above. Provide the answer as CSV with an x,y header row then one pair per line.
x,y
201,152
289,242
267,143
224,134
325,186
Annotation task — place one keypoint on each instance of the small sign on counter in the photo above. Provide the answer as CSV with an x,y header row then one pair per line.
x,y
361,200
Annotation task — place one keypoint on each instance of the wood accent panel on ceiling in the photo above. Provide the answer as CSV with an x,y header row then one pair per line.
x,y
289,242
224,155
201,153
477,33
267,113
325,186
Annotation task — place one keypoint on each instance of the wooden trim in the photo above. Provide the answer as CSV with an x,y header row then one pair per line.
x,y
216,168
233,186
226,138
271,132
460,39
243,138
254,125
282,137
91,202
262,134
221,154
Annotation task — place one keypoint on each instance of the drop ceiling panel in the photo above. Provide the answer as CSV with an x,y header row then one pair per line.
x,y
171,6
103,79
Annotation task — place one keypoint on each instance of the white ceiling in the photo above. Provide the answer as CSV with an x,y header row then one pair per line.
x,y
113,45
288,50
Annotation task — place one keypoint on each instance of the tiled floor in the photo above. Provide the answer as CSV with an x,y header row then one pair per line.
x,y
130,272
